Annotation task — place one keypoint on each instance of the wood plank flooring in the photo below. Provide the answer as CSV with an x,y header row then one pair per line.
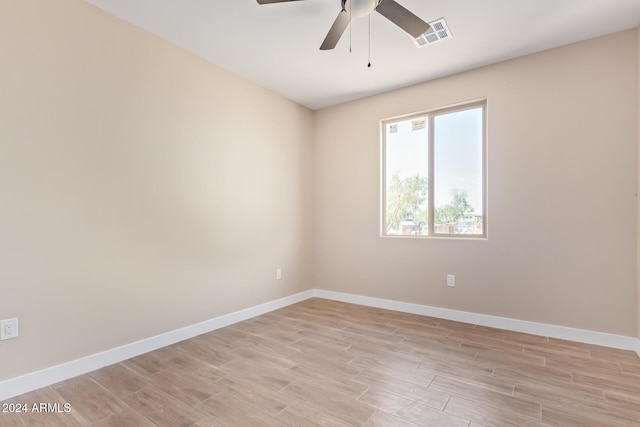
x,y
326,363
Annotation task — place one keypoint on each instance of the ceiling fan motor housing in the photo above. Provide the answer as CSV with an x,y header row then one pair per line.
x,y
359,8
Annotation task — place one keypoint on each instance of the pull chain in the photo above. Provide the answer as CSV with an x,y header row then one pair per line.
x,y
369,64
350,26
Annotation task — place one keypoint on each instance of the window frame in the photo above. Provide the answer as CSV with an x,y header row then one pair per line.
x,y
431,114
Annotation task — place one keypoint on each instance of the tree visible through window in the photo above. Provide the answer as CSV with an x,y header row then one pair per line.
x,y
433,173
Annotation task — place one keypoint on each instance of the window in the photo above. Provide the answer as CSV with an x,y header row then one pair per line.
x,y
433,173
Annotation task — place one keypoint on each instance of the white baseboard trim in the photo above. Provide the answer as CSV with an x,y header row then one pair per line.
x,y
35,380
534,328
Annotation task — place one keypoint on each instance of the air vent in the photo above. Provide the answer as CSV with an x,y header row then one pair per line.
x,y
438,30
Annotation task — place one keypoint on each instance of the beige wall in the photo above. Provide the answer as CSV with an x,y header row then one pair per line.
x,y
638,220
141,188
561,178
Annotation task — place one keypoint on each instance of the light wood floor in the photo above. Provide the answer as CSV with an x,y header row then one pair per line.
x,y
325,363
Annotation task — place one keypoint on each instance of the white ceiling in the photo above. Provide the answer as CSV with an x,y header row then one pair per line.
x,y
277,45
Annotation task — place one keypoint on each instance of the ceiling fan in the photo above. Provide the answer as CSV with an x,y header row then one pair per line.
x,y
390,9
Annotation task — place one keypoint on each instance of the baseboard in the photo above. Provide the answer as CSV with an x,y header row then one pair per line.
x,y
534,328
35,380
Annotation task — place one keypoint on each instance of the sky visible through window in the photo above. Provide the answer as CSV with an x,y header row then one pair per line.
x,y
458,156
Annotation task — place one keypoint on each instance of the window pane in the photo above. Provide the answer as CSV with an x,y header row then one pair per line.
x,y
457,179
406,172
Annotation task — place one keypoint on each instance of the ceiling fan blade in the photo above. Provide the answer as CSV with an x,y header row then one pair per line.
x,y
339,25
273,1
402,17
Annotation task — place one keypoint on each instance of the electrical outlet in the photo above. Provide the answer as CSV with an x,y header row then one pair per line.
x,y
451,280
8,328
278,273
